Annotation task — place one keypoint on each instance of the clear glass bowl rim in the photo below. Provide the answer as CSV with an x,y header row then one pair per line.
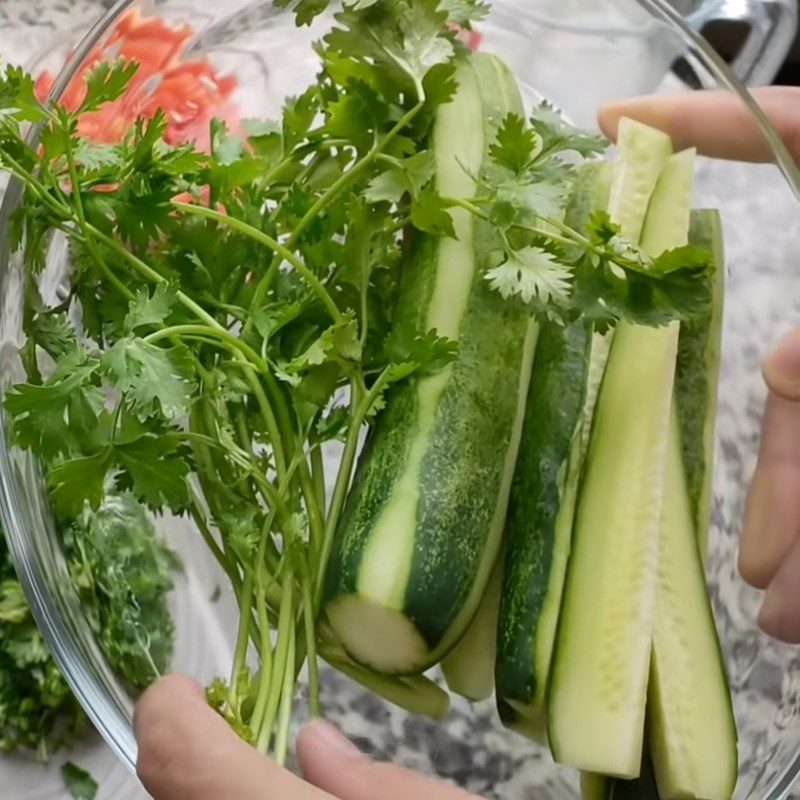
x,y
113,719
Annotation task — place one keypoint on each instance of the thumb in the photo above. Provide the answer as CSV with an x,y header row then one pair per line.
x,y
782,367
331,762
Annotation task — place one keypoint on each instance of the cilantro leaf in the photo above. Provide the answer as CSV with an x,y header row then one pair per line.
x,y
424,46
46,416
107,82
429,214
155,467
556,134
122,572
465,12
532,199
405,39
78,481
532,273
515,144
425,353
682,258
80,784
146,309
409,176
152,378
51,331
18,95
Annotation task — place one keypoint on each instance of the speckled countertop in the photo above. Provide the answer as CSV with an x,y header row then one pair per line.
x,y
763,241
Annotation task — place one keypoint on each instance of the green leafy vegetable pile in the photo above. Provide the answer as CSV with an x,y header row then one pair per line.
x,y
226,315
123,574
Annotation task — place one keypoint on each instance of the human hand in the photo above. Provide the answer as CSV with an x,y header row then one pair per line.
x,y
188,752
718,125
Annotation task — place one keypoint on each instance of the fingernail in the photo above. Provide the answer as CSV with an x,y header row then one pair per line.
x,y
321,734
781,367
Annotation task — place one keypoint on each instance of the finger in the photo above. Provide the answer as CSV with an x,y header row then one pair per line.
x,y
772,515
780,614
186,750
717,123
330,761
782,367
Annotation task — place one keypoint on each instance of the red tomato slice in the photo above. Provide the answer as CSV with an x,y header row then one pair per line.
x,y
190,93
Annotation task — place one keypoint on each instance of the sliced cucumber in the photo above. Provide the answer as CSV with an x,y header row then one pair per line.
x,y
642,153
423,523
469,667
597,697
697,378
692,728
539,524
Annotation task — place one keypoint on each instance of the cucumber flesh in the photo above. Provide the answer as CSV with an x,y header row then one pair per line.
x,y
469,667
692,730
642,153
597,698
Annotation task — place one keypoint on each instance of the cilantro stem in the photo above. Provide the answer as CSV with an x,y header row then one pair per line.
x,y
242,639
287,698
208,537
286,626
285,253
25,177
265,648
348,177
223,335
79,211
311,642
330,194
467,206
318,473
343,479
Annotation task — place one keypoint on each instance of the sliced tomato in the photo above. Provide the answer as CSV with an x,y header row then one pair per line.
x,y
190,93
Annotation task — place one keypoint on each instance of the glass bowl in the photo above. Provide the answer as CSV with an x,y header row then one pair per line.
x,y
579,55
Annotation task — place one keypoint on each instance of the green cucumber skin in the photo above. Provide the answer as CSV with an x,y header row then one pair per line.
x,y
697,376
462,469
553,416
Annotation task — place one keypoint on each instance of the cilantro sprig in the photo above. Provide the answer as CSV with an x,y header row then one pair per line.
x,y
226,313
